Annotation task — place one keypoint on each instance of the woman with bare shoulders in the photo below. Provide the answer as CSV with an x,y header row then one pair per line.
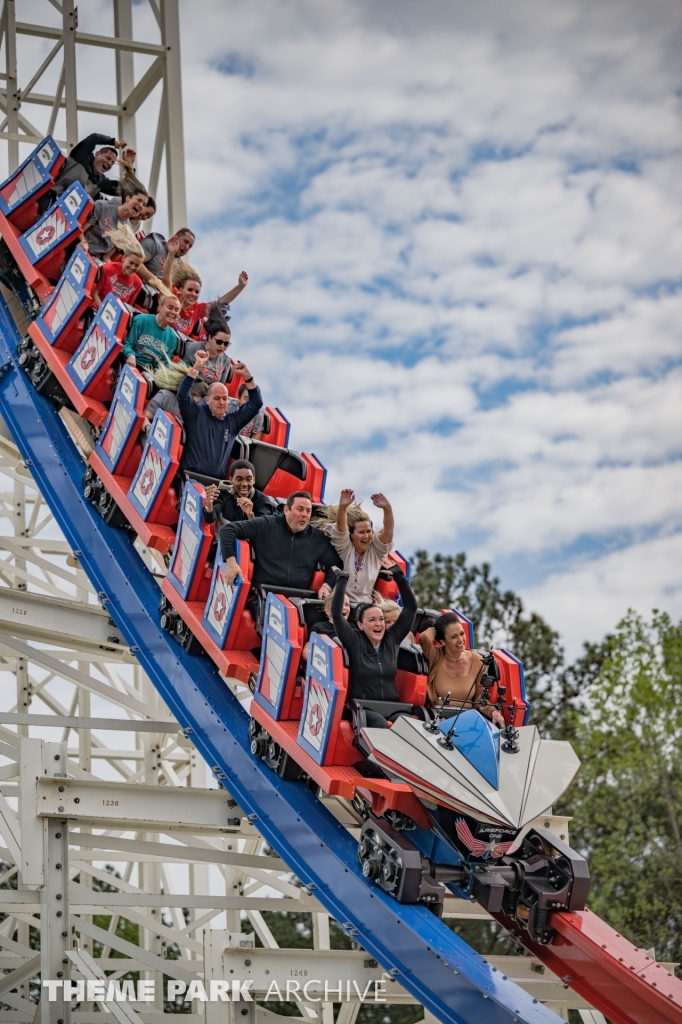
x,y
453,669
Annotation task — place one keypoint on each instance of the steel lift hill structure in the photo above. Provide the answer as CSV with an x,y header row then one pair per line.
x,y
79,626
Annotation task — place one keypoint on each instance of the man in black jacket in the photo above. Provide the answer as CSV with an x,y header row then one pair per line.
x,y
286,548
90,168
372,649
238,499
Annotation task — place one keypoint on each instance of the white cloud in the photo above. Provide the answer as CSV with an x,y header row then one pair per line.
x,y
592,596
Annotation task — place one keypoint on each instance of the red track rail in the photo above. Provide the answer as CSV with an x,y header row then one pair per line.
x,y
613,975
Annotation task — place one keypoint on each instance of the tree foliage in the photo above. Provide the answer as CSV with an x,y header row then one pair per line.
x,y
627,799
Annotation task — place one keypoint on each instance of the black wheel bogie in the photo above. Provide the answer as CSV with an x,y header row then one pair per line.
x,y
396,865
277,759
169,620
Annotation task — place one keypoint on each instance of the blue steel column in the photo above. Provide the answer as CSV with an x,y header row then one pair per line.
x,y
426,957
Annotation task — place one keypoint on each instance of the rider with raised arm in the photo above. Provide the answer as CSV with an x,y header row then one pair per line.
x,y
210,428
187,287
157,249
325,627
355,540
372,649
217,341
454,670
287,549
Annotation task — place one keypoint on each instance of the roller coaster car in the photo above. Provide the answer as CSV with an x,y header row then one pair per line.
x,y
467,793
19,198
198,607
276,427
279,470
136,485
37,257
206,614
20,193
130,483
58,330
85,380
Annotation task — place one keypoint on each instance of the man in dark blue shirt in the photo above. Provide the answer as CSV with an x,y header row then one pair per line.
x,y
209,427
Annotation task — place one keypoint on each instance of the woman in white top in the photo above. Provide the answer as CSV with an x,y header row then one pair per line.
x,y
360,548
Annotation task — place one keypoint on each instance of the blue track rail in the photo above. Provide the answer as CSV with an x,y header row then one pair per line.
x,y
426,957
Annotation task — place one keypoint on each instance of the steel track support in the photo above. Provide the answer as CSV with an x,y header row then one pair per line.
x,y
125,70
130,94
173,117
12,85
70,19
55,928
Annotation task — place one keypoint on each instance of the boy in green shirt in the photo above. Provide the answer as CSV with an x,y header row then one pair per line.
x,y
151,338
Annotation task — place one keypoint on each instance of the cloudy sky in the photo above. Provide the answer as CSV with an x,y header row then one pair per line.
x,y
461,224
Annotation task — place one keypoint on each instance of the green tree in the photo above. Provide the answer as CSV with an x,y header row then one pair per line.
x,y
568,692
627,800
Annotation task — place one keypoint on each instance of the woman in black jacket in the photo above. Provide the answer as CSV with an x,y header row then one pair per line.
x,y
372,649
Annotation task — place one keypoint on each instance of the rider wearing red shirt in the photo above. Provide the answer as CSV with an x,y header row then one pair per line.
x,y
187,286
120,275
119,278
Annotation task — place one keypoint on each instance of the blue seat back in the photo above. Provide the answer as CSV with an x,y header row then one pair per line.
x,y
158,464
101,344
323,699
192,540
280,654
123,423
71,296
33,177
57,226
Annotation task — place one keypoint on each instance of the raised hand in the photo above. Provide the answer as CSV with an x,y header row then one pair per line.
x,y
241,369
381,501
201,357
347,497
243,279
120,143
173,244
129,154
212,492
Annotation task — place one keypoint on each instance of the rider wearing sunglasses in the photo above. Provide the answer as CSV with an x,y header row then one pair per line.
x,y
217,343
